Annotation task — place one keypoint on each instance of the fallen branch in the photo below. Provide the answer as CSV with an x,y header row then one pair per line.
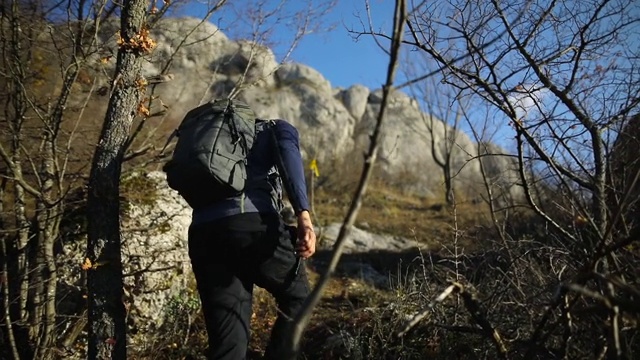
x,y
473,306
418,317
477,314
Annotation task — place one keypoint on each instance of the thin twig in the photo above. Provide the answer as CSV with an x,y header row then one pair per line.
x,y
473,306
453,288
303,318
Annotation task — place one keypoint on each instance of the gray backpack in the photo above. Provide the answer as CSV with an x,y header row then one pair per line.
x,y
210,157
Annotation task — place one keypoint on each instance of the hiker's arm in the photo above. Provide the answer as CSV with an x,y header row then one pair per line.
x,y
292,171
290,166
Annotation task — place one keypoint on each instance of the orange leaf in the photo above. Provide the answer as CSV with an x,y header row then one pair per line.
x,y
87,264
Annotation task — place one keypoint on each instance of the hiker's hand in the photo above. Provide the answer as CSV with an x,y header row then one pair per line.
x,y
306,245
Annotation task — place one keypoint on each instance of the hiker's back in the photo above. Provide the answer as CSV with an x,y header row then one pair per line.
x,y
263,186
210,157
227,162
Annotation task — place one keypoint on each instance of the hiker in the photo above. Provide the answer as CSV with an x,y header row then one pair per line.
x,y
241,241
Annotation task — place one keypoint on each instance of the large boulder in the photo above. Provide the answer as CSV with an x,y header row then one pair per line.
x,y
156,266
355,100
361,243
296,75
155,254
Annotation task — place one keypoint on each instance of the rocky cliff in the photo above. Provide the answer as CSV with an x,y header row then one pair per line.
x,y
334,123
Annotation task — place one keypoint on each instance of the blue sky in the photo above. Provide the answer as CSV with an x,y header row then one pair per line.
x,y
333,51
343,60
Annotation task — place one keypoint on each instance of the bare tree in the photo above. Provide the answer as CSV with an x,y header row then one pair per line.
x,y
493,163
546,89
49,52
36,160
442,123
564,76
107,329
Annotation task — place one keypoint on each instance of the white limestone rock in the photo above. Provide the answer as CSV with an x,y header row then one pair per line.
x,y
355,100
361,241
294,74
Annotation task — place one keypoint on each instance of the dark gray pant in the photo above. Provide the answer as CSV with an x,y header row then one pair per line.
x,y
228,257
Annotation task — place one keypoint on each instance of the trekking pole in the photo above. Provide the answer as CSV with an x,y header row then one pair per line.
x,y
298,263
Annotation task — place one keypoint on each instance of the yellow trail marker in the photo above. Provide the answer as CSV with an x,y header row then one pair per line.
x,y
313,166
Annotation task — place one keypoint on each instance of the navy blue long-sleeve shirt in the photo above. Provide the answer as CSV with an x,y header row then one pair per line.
x,y
265,156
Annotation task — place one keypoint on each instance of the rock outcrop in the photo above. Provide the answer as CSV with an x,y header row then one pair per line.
x,y
334,123
156,267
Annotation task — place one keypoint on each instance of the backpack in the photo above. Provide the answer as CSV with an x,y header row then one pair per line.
x,y
210,157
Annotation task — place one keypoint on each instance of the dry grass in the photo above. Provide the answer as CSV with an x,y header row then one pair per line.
x,y
511,282
389,211
350,304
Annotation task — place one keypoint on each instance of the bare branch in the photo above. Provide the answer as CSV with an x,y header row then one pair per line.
x,y
302,319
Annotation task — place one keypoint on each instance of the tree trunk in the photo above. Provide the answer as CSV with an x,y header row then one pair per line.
x,y
18,270
11,346
48,220
107,331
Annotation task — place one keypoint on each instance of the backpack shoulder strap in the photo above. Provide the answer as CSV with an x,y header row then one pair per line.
x,y
174,133
270,126
286,178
